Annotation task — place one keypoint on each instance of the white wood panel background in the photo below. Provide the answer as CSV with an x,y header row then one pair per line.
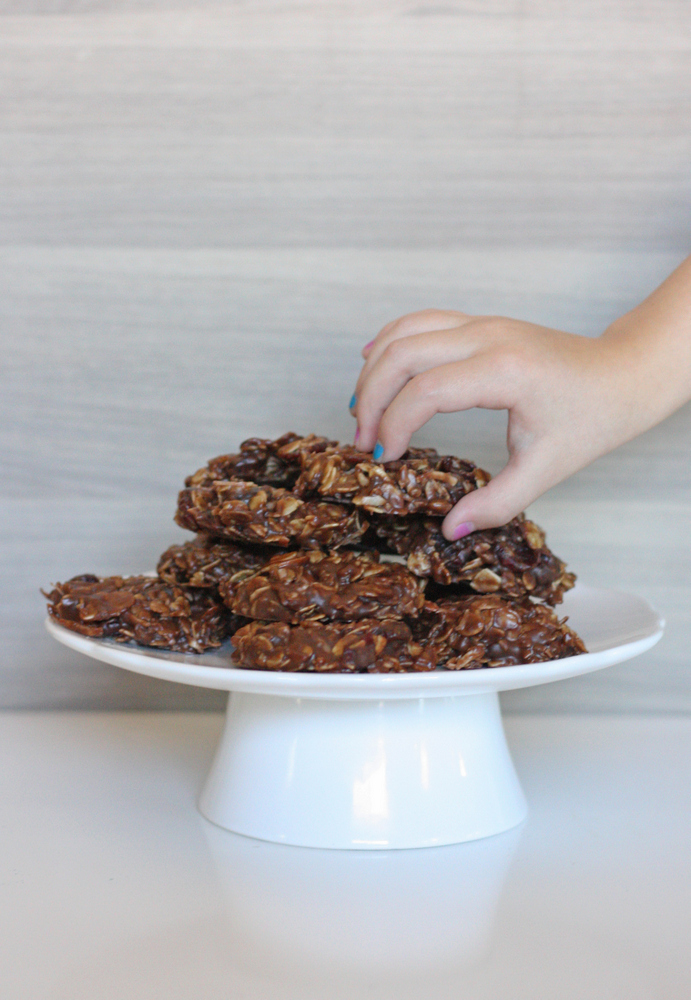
x,y
205,210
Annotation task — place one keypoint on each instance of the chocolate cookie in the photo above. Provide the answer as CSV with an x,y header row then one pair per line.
x,y
261,460
343,586
487,631
267,515
513,560
421,482
360,647
210,562
144,610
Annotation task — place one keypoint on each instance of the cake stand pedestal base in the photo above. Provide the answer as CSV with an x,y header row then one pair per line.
x,y
363,774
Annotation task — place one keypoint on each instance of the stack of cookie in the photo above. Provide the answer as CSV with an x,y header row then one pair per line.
x,y
316,558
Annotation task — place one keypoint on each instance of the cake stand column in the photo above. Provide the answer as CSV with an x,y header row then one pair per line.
x,y
363,774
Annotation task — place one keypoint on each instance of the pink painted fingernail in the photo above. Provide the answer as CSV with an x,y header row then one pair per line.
x,y
463,529
357,437
367,346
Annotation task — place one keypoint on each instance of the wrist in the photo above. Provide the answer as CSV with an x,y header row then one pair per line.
x,y
646,363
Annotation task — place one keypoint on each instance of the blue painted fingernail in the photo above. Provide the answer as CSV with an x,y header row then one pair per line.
x,y
378,451
353,401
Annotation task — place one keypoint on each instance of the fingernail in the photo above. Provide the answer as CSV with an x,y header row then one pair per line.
x,y
353,401
378,451
357,437
463,529
367,346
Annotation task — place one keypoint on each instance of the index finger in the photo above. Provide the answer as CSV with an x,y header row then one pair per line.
x,y
450,388
425,321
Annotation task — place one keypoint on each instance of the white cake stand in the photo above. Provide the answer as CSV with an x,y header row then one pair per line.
x,y
382,760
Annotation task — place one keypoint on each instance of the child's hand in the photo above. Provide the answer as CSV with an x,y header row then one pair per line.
x,y
570,398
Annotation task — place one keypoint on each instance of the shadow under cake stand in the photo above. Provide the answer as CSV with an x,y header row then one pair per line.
x,y
376,761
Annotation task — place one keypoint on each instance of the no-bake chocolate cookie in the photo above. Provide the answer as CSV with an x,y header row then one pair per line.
x,y
313,586
267,515
366,646
487,631
513,561
210,562
261,460
144,610
421,482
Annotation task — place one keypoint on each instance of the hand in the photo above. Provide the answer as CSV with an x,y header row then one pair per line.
x,y
569,398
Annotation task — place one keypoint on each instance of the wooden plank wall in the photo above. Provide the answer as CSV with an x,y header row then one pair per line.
x,y
206,210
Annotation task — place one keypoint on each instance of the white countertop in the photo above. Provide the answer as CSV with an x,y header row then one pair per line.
x,y
113,886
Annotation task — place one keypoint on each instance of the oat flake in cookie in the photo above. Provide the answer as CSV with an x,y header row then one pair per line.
x,y
341,586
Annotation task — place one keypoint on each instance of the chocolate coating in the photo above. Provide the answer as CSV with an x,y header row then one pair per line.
x,y
513,561
144,610
419,482
344,586
366,646
210,562
261,460
267,515
488,631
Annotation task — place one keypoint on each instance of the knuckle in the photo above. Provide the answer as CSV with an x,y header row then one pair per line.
x,y
411,320
424,385
393,329
440,315
491,326
387,336
434,315
497,330
441,319
488,329
509,362
423,320
397,354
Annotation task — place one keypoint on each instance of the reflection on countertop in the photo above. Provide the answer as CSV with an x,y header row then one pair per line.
x,y
406,915
113,886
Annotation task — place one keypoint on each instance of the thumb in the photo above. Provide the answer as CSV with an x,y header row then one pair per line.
x,y
520,482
